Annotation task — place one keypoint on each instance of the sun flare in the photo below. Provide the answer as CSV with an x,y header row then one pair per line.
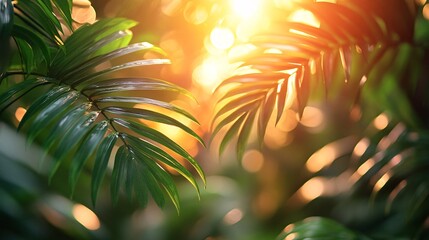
x,y
246,8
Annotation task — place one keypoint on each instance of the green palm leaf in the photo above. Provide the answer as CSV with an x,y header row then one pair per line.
x,y
81,114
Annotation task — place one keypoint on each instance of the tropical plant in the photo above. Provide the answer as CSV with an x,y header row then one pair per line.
x,y
82,108
367,55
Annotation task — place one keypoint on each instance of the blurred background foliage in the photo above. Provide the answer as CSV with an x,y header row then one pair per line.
x,y
308,166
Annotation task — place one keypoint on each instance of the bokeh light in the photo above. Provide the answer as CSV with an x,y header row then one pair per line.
x,y
19,113
365,167
211,72
170,7
426,11
382,181
304,16
195,13
312,189
253,160
312,117
222,38
381,121
321,158
360,147
233,216
86,217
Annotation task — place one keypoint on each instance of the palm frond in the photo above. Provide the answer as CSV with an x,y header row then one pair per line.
x,y
396,163
351,47
81,113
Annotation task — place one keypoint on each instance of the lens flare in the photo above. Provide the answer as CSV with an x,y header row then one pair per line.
x,y
222,38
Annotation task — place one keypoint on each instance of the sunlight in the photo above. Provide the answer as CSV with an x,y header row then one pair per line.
x,y
170,7
253,161
210,72
86,217
365,167
291,236
222,38
426,11
381,182
304,16
194,13
381,121
312,117
19,113
361,147
322,158
312,189
240,51
246,8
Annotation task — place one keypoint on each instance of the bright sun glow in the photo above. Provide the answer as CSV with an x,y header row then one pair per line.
x,y
211,72
222,38
304,16
246,8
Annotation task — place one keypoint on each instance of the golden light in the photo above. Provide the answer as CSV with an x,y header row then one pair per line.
x,y
240,51
381,121
365,167
361,147
175,52
275,139
312,189
246,29
322,158
291,236
287,4
289,227
253,161
86,217
222,38
304,16
426,11
312,117
19,113
288,121
233,216
273,51
195,13
170,7
246,8
211,71
381,182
